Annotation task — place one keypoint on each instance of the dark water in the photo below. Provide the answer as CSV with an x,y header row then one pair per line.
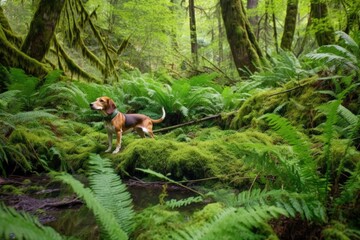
x,y
79,221
76,219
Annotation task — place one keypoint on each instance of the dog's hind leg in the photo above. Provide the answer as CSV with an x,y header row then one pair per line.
x,y
140,131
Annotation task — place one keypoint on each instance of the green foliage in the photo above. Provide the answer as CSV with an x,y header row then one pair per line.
x,y
285,67
173,203
338,230
235,222
109,225
111,192
342,58
16,225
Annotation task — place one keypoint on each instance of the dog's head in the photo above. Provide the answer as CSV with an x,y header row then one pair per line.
x,y
104,104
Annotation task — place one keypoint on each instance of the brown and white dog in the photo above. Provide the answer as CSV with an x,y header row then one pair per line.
x,y
117,122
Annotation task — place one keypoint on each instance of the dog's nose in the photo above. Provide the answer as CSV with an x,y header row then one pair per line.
x,y
91,104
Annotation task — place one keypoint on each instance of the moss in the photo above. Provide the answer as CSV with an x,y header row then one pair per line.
x,y
60,144
213,153
208,213
298,105
10,189
164,220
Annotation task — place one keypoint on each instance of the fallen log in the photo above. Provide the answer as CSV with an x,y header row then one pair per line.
x,y
188,123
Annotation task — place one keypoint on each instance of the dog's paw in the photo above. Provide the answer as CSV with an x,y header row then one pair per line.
x,y
116,150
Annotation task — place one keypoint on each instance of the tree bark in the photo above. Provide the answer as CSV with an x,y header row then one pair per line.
x,y
290,24
221,34
254,20
193,35
324,32
42,28
245,50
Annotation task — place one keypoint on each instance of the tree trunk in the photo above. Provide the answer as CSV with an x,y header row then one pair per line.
x,y
245,50
274,27
324,32
254,20
193,36
42,28
221,34
290,24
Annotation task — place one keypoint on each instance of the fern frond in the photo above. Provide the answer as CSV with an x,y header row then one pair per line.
x,y
347,115
307,205
338,230
23,117
283,127
7,97
173,203
15,225
234,223
107,220
110,191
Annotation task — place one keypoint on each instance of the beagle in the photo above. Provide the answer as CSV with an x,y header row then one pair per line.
x,y
117,122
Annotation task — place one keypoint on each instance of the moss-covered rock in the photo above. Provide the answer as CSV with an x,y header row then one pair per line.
x,y
58,145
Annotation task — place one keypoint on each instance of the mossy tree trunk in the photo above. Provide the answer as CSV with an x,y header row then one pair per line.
x,y
42,28
11,56
324,32
290,24
244,47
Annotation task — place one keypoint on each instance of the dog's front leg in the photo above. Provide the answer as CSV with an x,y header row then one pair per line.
x,y
109,141
118,141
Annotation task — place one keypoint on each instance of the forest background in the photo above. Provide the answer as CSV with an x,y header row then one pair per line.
x,y
271,89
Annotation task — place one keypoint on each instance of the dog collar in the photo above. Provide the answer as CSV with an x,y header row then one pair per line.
x,y
111,116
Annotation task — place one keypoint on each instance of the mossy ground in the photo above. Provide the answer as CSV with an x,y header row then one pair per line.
x,y
167,221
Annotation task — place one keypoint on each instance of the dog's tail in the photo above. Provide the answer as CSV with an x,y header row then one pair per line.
x,y
160,119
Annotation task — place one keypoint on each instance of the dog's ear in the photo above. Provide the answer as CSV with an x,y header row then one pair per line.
x,y
111,107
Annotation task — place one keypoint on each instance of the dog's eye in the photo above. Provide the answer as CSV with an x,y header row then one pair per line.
x,y
101,100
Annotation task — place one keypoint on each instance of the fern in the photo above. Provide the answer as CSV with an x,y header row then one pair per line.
x,y
173,203
306,205
351,188
303,164
109,225
110,191
25,117
16,225
7,97
344,56
285,67
234,223
338,230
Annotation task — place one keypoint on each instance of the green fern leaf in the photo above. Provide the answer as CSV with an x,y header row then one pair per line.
x,y
173,203
110,227
16,225
111,192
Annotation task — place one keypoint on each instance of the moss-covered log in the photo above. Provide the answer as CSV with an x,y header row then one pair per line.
x,y
290,24
42,28
297,101
242,41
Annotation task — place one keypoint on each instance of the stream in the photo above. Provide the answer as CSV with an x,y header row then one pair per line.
x,y
55,205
